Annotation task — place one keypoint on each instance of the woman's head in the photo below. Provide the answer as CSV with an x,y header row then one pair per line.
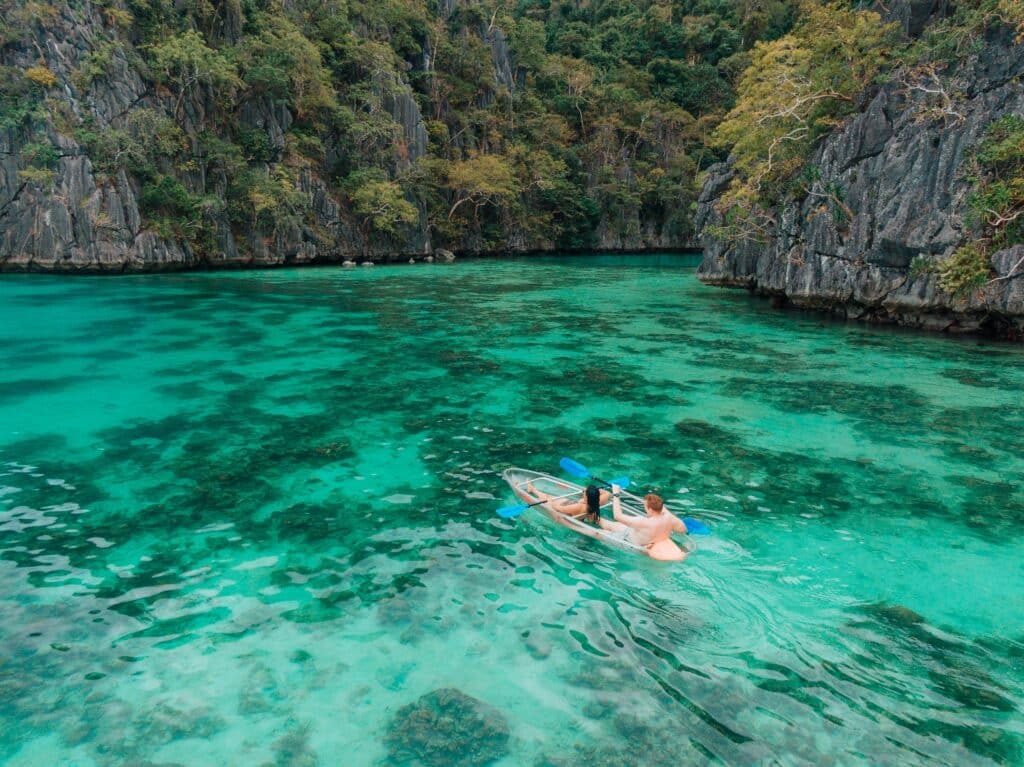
x,y
593,498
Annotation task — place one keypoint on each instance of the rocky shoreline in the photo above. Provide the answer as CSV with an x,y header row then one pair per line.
x,y
437,256
905,181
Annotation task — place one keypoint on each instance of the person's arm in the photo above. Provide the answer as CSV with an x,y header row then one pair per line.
x,y
617,514
678,526
626,519
605,497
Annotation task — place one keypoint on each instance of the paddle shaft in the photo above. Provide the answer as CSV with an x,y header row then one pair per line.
x,y
510,512
553,498
603,482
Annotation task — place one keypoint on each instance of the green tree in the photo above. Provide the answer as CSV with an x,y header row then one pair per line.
x,y
483,179
382,206
795,90
286,65
185,63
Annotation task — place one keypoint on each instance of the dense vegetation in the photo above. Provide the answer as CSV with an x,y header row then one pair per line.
x,y
543,121
996,206
796,90
602,116
804,83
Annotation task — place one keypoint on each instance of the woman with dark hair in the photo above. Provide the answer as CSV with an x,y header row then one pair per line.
x,y
588,506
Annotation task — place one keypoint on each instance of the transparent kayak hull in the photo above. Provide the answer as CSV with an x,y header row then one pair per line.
x,y
545,483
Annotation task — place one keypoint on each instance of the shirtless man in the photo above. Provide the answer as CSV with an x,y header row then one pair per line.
x,y
653,531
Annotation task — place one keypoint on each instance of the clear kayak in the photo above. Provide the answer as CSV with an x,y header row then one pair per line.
x,y
518,479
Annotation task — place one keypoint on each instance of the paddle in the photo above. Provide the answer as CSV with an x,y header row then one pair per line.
x,y
581,471
693,526
508,512
696,527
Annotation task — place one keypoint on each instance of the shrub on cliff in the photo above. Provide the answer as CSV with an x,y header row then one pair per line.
x,y
380,203
996,206
794,91
185,62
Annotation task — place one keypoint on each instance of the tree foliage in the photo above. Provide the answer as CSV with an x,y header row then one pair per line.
x,y
382,205
186,62
604,116
483,179
543,121
796,89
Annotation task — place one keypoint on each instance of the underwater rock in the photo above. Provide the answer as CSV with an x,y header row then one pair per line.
x,y
394,612
165,723
412,635
633,728
335,449
597,709
608,675
612,755
447,728
293,750
977,695
896,615
538,647
260,694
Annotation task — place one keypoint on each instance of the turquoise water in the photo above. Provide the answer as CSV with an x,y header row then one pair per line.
x,y
248,518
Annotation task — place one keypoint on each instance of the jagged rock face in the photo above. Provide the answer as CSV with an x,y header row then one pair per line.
x,y
501,58
406,112
904,179
79,224
88,221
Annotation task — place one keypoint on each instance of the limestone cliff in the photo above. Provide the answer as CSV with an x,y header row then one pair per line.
x,y
82,215
903,177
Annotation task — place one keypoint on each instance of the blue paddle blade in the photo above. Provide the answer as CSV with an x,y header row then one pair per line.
x,y
622,482
508,512
696,527
576,469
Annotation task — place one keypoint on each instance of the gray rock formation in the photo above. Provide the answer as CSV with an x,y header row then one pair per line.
x,y
406,112
501,58
902,174
84,217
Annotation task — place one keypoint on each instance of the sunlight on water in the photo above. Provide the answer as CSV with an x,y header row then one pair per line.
x,y
248,519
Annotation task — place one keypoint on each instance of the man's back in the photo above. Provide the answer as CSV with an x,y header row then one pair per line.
x,y
654,528
653,531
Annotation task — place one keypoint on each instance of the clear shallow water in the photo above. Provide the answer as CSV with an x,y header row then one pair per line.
x,y
246,518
